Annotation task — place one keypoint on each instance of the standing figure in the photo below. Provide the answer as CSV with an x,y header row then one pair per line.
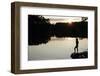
x,y
76,47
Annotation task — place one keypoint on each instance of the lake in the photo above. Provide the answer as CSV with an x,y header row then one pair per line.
x,y
56,48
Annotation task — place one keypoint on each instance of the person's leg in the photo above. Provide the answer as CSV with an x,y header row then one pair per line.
x,y
75,49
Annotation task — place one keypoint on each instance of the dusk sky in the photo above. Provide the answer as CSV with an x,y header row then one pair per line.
x,y
64,19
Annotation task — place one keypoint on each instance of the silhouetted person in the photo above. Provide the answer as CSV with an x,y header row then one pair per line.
x,y
76,47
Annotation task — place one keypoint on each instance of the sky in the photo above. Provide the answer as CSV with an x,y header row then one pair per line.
x,y
63,19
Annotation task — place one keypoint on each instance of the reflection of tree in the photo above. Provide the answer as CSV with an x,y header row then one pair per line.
x,y
40,30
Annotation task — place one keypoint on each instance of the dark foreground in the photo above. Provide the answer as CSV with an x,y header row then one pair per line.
x,y
79,55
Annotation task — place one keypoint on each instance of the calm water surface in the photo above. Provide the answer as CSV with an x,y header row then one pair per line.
x,y
56,48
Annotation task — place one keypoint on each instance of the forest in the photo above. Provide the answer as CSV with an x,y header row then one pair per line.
x,y
40,30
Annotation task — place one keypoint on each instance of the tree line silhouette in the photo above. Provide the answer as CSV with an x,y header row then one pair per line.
x,y
40,30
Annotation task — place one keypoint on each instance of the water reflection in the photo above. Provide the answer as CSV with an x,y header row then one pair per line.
x,y
56,48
